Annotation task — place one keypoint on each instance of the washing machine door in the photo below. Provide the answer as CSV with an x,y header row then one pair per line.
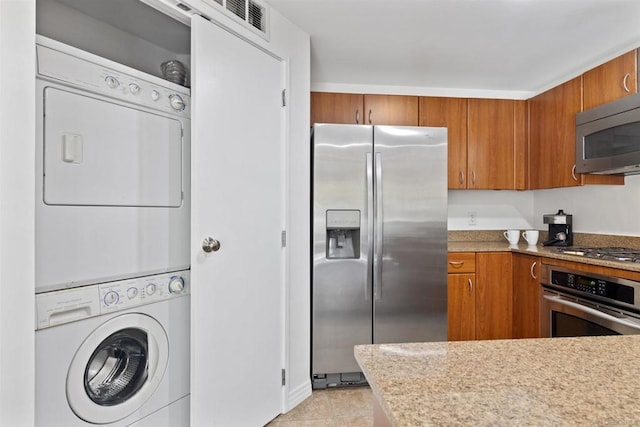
x,y
117,368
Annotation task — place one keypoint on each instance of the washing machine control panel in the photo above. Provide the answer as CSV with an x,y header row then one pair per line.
x,y
68,305
143,290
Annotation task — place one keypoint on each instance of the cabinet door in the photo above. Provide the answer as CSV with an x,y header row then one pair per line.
x,y
494,295
395,110
461,307
610,81
526,296
452,114
345,108
552,139
491,146
553,136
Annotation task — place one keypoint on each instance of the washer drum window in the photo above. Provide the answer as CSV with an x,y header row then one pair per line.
x,y
117,368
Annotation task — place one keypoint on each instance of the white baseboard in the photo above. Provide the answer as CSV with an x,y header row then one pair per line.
x,y
297,395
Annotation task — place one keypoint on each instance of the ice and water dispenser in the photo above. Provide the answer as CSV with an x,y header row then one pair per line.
x,y
343,234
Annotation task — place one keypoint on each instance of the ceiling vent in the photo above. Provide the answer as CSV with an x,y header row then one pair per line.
x,y
251,12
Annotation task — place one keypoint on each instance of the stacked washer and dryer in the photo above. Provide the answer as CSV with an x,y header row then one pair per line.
x,y
112,243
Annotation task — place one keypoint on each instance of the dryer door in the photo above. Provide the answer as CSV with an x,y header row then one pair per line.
x,y
117,368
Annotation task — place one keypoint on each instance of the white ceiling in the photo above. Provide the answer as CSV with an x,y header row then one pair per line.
x,y
510,48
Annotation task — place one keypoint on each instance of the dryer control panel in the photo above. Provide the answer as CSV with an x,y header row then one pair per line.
x,y
69,305
82,70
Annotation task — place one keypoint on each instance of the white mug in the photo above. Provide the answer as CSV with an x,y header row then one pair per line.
x,y
513,236
531,236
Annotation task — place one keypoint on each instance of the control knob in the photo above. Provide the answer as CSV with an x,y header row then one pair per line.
x,y
150,289
155,95
176,284
176,101
134,88
132,292
112,82
111,298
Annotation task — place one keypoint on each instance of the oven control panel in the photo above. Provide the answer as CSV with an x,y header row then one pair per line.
x,y
605,288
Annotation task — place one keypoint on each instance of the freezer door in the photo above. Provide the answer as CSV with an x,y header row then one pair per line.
x,y
341,282
410,244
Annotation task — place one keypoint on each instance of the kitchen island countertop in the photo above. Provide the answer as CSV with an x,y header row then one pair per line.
x,y
586,381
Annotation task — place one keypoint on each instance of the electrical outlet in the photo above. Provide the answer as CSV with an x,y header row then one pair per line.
x,y
472,218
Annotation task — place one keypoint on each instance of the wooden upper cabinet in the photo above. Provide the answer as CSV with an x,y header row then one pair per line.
x,y
496,144
610,81
395,110
344,108
452,114
552,139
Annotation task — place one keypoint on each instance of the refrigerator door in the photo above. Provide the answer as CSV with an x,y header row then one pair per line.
x,y
410,249
342,304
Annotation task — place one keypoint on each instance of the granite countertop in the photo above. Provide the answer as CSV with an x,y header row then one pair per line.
x,y
539,250
586,381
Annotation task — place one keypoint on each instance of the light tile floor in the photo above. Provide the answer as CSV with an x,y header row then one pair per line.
x,y
339,407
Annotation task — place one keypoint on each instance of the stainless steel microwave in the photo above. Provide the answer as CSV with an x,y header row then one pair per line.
x,y
608,138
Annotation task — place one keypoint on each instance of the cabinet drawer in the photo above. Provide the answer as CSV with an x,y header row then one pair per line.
x,y
461,262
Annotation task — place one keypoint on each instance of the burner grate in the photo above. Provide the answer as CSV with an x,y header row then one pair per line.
x,y
608,253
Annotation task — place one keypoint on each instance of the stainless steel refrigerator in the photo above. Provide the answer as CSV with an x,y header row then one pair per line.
x,y
379,242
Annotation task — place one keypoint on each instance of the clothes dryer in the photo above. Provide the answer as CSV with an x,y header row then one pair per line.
x,y
112,170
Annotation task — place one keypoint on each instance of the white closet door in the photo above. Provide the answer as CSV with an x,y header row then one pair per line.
x,y
238,197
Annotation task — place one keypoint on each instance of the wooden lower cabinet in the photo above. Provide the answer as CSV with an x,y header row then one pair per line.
x,y
461,306
494,295
480,303
526,296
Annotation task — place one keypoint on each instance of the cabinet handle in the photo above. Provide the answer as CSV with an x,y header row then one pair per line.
x,y
456,263
470,286
473,177
625,80
461,177
533,266
369,116
573,173
357,117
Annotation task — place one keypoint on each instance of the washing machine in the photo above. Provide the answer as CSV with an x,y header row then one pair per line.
x,y
114,354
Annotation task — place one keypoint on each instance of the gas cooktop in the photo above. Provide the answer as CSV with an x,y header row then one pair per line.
x,y
609,254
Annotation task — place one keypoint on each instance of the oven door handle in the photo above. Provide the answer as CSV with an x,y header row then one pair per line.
x,y
597,313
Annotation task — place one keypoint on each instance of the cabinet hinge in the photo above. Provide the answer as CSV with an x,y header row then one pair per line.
x,y
284,97
284,376
283,238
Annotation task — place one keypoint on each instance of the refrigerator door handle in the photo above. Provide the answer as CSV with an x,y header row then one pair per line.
x,y
377,261
368,279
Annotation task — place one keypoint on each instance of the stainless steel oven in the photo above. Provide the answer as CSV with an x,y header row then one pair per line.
x,y
577,303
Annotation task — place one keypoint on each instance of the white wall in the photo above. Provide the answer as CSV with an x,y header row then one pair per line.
x,y
599,209
17,180
494,210
297,44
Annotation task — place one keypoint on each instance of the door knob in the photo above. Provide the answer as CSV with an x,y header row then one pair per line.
x,y
210,245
